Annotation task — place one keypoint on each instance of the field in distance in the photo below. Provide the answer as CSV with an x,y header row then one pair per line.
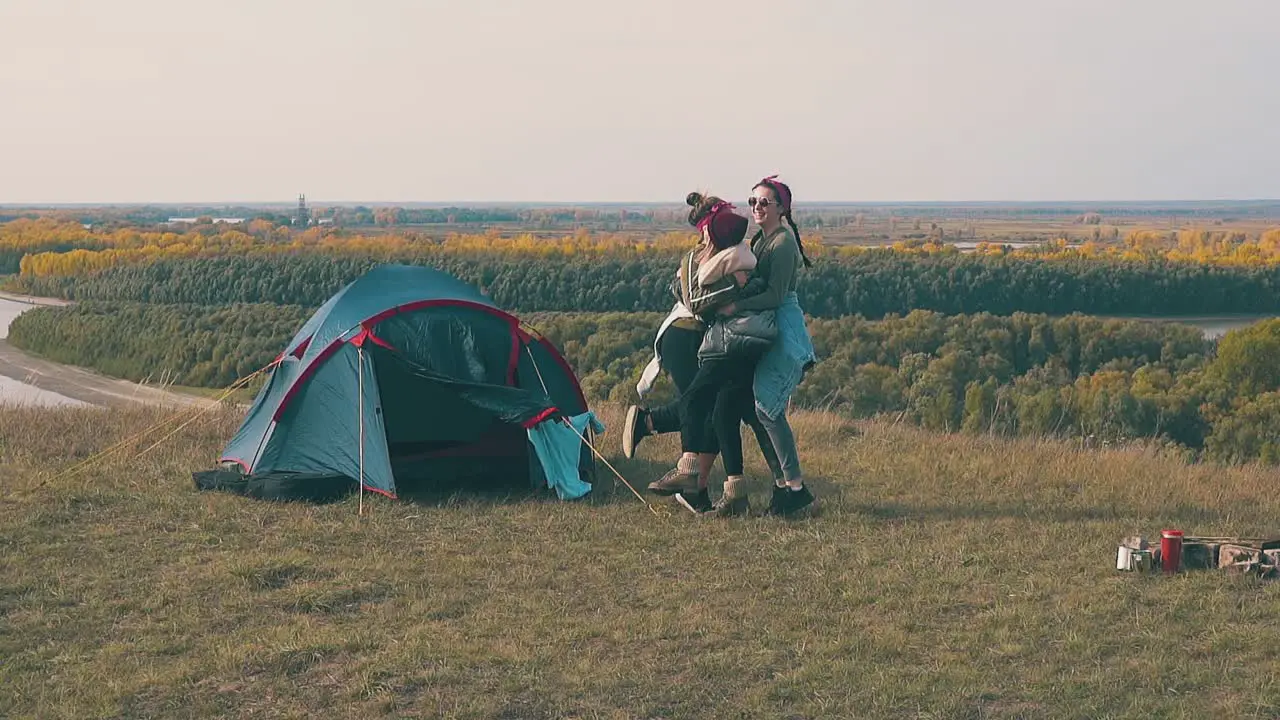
x,y
838,222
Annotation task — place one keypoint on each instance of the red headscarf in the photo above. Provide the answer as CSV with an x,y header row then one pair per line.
x,y
780,189
727,228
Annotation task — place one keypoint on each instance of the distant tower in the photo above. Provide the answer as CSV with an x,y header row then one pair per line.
x,y
304,216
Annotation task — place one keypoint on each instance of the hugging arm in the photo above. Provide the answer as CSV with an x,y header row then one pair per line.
x,y
706,300
772,288
753,287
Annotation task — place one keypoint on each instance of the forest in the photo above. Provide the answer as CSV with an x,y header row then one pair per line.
x,y
1188,272
872,283
188,344
1098,380
998,340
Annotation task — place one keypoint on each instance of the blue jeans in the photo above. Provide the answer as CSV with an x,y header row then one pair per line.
x,y
777,376
784,444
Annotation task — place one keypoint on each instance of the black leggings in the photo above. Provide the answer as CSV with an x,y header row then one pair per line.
x,y
712,409
680,359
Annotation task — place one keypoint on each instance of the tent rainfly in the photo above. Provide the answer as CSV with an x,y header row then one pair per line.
x,y
410,380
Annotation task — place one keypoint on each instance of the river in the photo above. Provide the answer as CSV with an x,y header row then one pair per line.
x,y
1213,327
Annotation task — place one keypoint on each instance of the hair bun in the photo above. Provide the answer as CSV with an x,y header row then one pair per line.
x,y
693,199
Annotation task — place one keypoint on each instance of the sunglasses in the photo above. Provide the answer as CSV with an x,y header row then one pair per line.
x,y
762,203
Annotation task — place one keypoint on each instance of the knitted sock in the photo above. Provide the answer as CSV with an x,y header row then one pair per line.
x,y
734,486
688,463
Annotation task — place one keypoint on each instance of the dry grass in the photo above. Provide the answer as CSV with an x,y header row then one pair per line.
x,y
945,577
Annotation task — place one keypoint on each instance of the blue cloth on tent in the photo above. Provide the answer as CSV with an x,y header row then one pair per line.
x,y
559,449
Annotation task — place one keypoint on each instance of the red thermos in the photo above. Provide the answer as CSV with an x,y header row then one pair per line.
x,y
1171,550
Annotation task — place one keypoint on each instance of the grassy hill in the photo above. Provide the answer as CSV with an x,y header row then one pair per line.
x,y
945,576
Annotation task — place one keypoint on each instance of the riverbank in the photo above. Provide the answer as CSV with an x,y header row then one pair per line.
x,y
32,300
29,380
1213,326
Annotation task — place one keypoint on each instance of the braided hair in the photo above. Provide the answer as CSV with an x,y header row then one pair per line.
x,y
782,194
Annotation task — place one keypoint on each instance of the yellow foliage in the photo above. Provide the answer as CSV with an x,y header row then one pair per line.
x,y
99,250
1146,241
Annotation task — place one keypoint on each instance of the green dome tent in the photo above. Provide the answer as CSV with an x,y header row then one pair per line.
x,y
410,380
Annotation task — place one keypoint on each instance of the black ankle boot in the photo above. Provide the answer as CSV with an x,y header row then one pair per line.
x,y
796,500
696,503
778,500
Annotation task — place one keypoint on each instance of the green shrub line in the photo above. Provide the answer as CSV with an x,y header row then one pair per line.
x,y
1105,380
872,284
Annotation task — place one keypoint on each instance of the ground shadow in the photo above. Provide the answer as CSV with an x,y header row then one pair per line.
x,y
607,487
831,496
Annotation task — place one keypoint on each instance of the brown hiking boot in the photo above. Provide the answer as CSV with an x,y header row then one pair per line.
x,y
729,507
676,480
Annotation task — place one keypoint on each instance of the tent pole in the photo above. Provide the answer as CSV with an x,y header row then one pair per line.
x,y
360,415
537,370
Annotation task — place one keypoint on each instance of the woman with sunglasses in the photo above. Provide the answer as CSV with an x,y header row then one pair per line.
x,y
718,398
676,353
779,255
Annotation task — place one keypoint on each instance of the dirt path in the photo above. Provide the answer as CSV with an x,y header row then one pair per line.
x,y
74,382
32,300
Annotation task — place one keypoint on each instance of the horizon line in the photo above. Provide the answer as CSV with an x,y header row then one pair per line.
x,y
572,203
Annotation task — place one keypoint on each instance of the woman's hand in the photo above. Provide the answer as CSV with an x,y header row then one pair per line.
x,y
729,309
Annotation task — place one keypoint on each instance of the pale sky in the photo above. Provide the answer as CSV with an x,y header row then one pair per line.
x,y
598,100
